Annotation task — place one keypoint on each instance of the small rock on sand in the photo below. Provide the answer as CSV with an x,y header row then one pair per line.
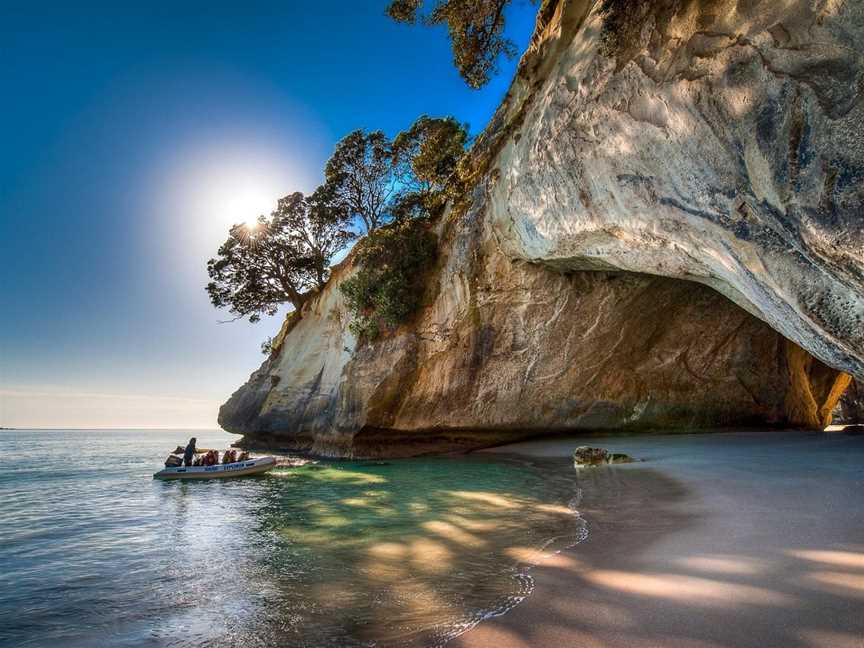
x,y
588,456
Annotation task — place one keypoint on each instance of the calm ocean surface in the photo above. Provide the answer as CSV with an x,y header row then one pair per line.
x,y
94,552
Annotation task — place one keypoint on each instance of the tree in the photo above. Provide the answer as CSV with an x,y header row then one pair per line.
x,y
316,228
476,29
393,260
368,178
280,259
425,158
359,175
378,180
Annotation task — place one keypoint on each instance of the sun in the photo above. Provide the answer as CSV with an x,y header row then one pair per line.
x,y
228,187
240,199
244,202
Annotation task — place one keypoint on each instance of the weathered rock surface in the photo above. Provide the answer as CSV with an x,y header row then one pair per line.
x,y
719,141
507,349
850,410
639,155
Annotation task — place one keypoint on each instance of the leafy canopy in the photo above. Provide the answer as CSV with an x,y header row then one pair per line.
x,y
317,226
426,157
379,180
280,259
420,175
359,175
476,29
369,179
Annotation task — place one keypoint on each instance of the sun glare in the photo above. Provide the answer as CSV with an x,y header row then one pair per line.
x,y
215,189
243,200
227,195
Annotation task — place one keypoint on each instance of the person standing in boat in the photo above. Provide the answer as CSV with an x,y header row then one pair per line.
x,y
189,452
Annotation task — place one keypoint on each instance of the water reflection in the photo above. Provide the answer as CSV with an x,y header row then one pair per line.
x,y
404,553
401,553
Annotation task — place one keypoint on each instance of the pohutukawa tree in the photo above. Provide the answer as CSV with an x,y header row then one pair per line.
x,y
392,260
368,179
359,175
476,29
281,259
425,159
378,180
317,227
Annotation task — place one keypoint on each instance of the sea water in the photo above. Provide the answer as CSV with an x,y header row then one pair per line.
x,y
94,552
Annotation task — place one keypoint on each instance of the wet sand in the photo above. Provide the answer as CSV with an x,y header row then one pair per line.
x,y
715,540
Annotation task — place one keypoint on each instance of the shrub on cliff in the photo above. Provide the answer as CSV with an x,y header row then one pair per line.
x,y
389,284
267,346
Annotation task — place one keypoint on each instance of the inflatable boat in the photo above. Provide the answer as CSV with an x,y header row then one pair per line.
x,y
219,471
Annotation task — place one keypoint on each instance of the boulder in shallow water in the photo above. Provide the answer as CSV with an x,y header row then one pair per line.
x,y
588,456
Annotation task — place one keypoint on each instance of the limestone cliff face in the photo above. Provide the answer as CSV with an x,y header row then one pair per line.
x,y
720,141
645,149
507,349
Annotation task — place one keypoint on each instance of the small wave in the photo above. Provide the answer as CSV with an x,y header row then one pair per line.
x,y
523,581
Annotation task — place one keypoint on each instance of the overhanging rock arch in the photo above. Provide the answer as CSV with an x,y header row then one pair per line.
x,y
637,156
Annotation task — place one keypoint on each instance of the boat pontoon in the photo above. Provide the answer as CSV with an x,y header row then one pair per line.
x,y
218,471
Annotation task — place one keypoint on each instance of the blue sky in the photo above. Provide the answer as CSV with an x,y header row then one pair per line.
x,y
132,138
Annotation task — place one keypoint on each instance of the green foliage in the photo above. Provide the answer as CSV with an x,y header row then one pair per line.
x,y
426,157
404,10
389,284
378,180
359,175
476,29
370,180
280,259
405,181
316,227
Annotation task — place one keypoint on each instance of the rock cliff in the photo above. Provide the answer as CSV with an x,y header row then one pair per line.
x,y
850,410
718,141
665,233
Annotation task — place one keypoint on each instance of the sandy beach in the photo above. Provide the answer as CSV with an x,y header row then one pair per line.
x,y
745,539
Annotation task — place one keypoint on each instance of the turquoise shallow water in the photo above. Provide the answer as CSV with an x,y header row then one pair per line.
x,y
95,552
